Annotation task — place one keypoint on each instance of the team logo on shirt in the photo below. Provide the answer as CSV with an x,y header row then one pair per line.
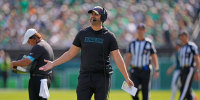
x,y
93,39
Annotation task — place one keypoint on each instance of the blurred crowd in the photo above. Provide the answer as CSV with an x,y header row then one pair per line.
x,y
60,20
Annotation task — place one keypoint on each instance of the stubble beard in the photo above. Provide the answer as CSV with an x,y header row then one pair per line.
x,y
95,23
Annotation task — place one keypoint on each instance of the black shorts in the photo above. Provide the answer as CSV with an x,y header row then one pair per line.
x,y
93,83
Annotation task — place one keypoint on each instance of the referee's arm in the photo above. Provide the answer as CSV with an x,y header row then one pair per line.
x,y
196,58
155,62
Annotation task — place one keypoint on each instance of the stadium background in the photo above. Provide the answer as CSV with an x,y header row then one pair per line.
x,y
60,20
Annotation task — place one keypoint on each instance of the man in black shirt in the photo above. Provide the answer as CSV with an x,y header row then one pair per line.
x,y
41,50
96,43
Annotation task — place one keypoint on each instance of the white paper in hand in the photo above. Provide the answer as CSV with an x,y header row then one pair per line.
x,y
131,90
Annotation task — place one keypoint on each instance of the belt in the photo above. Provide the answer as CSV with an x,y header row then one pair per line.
x,y
183,67
132,66
38,75
41,75
140,67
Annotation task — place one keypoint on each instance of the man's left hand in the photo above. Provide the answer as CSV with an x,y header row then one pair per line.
x,y
196,76
129,82
156,75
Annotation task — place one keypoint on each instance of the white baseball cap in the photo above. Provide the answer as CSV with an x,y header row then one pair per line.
x,y
30,32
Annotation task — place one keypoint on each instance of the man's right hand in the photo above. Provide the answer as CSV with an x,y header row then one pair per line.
x,y
48,66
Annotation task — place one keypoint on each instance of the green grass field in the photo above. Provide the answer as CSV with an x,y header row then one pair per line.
x,y
71,95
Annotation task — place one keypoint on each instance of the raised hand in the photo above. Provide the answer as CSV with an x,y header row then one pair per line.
x,y
48,66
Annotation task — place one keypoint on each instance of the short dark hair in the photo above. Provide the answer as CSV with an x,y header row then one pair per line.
x,y
141,26
183,33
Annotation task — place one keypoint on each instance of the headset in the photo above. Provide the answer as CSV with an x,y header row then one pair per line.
x,y
104,15
102,11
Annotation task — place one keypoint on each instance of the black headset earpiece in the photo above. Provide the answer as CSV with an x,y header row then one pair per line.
x,y
104,15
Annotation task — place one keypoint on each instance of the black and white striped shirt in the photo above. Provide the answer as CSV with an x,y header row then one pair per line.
x,y
186,54
141,52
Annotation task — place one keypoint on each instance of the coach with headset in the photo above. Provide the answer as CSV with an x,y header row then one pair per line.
x,y
96,44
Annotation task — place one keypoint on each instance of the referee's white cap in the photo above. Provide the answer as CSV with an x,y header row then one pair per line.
x,y
30,32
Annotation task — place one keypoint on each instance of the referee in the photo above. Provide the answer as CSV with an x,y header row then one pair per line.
x,y
41,50
96,44
139,55
189,62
